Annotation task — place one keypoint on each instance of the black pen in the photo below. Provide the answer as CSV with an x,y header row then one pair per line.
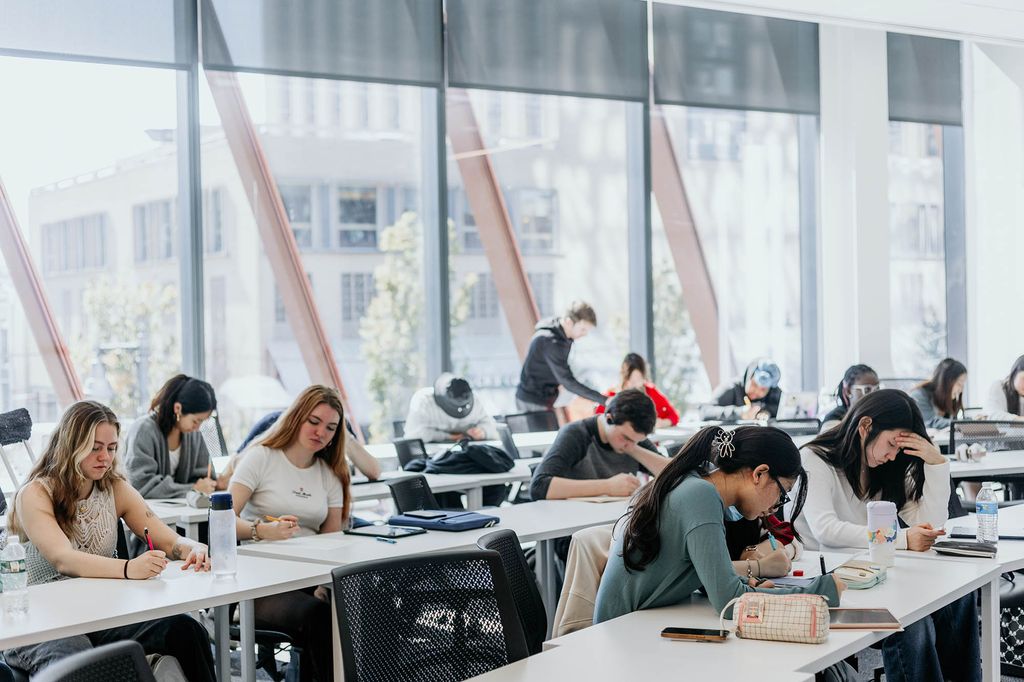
x,y
821,558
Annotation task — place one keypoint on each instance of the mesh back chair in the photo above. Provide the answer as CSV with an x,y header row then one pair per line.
x,y
532,614
411,493
213,436
900,383
438,617
531,422
994,435
15,428
398,426
121,661
409,449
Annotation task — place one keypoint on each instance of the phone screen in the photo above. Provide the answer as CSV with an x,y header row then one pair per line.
x,y
694,633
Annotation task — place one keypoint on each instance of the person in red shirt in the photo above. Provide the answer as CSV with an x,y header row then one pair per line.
x,y
634,375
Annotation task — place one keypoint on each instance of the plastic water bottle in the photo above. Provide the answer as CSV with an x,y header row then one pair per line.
x,y
988,515
15,577
882,529
223,552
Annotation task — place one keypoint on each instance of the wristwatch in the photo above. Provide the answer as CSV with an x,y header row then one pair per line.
x,y
255,535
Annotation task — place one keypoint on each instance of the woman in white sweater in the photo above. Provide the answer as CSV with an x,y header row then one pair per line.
x,y
1006,397
881,451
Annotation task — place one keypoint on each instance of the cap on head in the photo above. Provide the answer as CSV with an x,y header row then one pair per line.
x,y
766,374
453,395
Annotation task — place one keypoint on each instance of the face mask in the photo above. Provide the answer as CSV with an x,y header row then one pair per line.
x,y
733,514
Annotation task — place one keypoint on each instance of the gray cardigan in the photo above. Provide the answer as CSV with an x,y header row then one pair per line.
x,y
148,461
932,418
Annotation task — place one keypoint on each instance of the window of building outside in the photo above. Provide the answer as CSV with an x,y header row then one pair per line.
x,y
917,248
561,166
93,190
357,225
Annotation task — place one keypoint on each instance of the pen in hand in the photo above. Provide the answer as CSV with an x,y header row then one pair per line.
x,y
149,540
821,558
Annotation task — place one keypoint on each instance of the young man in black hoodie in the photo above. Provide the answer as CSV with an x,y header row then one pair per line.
x,y
547,360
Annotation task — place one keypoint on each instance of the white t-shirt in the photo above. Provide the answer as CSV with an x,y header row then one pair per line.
x,y
175,457
279,487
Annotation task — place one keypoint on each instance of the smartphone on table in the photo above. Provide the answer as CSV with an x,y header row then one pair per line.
x,y
695,634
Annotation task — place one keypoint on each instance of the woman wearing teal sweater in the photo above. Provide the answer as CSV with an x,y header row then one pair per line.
x,y
672,542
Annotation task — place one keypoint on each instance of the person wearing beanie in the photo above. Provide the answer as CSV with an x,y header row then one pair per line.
x,y
448,411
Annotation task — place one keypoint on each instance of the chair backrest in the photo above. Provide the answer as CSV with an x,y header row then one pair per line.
x,y
531,422
122,661
532,614
398,426
442,616
904,384
3,502
1006,435
15,428
409,449
213,436
507,442
411,493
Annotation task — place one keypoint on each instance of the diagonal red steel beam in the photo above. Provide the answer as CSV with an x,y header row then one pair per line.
x,y
29,287
492,218
684,243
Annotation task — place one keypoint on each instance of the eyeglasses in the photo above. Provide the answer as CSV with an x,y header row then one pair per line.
x,y
784,498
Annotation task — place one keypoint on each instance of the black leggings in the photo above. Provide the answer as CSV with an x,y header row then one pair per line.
x,y
307,620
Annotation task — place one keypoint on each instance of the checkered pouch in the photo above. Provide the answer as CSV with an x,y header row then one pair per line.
x,y
800,618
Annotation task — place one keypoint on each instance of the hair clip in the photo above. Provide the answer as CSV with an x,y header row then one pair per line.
x,y
722,446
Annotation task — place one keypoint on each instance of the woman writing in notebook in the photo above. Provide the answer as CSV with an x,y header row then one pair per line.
x,y
673,539
296,482
68,512
881,451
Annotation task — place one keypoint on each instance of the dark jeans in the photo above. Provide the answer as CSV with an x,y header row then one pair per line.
x,y
524,406
307,621
942,646
180,636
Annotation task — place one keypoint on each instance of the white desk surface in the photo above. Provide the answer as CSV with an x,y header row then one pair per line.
x,y
540,440
80,605
1002,463
532,521
439,483
172,511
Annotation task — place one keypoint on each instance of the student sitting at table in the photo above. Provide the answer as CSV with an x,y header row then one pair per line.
x,y
858,381
1006,396
448,411
165,455
881,451
296,482
633,374
673,540
68,512
756,394
941,398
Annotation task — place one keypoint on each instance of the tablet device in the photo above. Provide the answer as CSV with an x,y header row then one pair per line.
x,y
385,531
862,619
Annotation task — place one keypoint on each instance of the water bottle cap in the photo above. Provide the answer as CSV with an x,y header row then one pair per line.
x,y
220,501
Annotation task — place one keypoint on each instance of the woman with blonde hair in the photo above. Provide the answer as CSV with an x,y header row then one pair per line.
x,y
296,482
67,513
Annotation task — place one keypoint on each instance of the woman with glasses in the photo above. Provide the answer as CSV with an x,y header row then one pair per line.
x,y
672,541
881,451
166,456
858,381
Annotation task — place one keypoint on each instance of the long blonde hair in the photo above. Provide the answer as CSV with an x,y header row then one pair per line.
x,y
58,466
285,432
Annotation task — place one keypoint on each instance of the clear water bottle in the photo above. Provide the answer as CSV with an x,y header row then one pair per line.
x,y
223,550
15,577
988,515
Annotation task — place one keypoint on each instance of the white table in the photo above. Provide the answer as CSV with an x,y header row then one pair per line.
x,y
1001,463
82,605
525,442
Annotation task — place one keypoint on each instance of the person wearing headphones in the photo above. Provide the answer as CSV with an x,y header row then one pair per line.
x,y
448,411
754,395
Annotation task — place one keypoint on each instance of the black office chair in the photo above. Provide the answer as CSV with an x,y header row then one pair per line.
x,y
411,493
443,616
122,661
398,426
532,614
994,436
409,449
531,422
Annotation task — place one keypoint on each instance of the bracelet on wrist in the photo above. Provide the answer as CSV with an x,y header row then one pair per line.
x,y
750,570
126,570
255,531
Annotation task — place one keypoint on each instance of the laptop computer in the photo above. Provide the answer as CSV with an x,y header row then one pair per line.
x,y
507,443
798,405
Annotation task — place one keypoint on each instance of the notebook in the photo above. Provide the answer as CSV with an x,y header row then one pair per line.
x,y
984,550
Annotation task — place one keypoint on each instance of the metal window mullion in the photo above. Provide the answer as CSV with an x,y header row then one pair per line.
x,y
955,240
810,338
190,208
638,191
435,234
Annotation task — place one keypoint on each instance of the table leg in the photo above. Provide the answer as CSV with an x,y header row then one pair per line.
x,y
548,577
192,531
222,643
475,498
247,625
990,671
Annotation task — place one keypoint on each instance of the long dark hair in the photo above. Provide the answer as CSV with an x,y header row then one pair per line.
x,y
195,396
901,479
854,373
754,446
633,362
940,387
1012,397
